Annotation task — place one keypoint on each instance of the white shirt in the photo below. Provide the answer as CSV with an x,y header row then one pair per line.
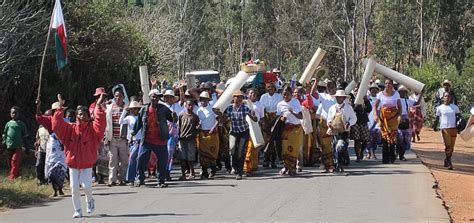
x,y
315,101
388,101
447,115
259,110
347,112
283,110
270,102
129,120
326,101
410,104
175,107
207,117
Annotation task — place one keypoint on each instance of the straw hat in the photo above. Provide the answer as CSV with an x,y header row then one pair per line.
x,y
403,88
322,84
204,94
237,93
134,104
99,91
55,105
340,93
155,92
446,82
374,85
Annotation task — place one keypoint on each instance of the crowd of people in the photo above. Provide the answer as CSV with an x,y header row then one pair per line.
x,y
128,141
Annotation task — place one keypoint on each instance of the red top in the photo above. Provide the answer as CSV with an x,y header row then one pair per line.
x,y
45,121
80,139
307,102
152,134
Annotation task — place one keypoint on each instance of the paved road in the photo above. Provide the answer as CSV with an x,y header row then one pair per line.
x,y
371,192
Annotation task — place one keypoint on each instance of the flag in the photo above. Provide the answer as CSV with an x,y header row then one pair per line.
x,y
59,29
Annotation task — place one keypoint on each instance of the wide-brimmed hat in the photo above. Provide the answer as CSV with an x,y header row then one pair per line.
x,y
276,70
155,92
446,82
134,104
237,93
99,91
169,92
374,85
403,88
204,94
56,105
340,93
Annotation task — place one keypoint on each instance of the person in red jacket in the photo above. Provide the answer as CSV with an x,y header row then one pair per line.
x,y
81,140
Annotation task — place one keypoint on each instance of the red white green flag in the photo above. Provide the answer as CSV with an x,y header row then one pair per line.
x,y
59,29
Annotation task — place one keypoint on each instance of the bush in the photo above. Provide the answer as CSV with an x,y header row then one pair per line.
x,y
432,74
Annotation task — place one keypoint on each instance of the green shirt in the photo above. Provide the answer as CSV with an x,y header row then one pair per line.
x,y
14,133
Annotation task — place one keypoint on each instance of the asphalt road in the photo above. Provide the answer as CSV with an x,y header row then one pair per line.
x,y
370,192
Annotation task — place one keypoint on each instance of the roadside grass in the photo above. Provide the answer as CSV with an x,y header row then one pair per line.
x,y
21,191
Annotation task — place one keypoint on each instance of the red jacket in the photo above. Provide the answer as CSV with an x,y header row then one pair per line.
x,y
81,139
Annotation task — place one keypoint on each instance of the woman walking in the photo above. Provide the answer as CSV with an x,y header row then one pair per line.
x,y
81,142
446,118
292,137
389,110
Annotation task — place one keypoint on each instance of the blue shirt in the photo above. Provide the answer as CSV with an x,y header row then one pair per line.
x,y
237,118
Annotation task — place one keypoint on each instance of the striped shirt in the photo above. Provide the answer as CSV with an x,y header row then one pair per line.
x,y
116,112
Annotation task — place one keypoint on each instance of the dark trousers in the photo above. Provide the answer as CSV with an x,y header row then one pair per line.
x,y
388,152
161,152
238,147
39,167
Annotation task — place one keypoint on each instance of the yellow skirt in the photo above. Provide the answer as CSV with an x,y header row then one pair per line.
x,y
389,124
208,148
291,140
251,158
326,146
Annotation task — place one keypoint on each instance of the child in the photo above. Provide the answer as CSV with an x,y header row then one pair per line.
x,y
133,142
13,135
188,122
42,137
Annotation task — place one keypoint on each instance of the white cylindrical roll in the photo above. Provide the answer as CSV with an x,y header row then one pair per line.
x,y
226,98
255,133
404,80
190,81
306,121
254,129
145,85
312,65
350,86
364,84
468,132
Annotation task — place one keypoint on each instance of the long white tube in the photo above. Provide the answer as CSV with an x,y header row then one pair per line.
x,y
350,87
364,84
406,81
145,85
226,98
312,65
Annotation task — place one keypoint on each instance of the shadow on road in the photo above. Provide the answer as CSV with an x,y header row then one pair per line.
x,y
136,215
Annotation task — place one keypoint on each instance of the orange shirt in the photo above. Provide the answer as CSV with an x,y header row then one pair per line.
x,y
152,134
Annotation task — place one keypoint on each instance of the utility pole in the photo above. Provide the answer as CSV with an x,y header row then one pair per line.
x,y
242,5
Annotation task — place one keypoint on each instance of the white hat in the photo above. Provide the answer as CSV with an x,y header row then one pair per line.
x,y
378,81
55,105
169,92
276,70
134,104
446,82
155,92
340,93
322,84
403,88
204,94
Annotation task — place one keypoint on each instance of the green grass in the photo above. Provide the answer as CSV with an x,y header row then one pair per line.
x,y
21,191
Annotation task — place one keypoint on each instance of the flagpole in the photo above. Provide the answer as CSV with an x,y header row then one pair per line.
x,y
44,55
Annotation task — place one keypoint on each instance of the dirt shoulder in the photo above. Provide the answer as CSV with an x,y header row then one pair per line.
x,y
456,187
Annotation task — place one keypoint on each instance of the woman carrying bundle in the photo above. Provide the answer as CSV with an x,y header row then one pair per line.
x,y
388,115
